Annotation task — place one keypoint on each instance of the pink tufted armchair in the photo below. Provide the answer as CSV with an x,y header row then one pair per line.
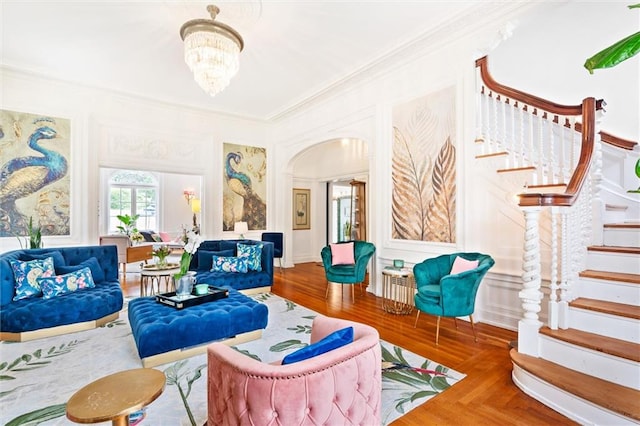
x,y
340,387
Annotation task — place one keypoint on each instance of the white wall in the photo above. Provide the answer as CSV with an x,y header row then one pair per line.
x,y
542,57
118,131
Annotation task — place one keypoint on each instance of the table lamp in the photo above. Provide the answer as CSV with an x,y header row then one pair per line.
x,y
240,228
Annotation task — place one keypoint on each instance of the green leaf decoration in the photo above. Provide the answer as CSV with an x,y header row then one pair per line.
x,y
301,329
247,353
290,306
286,345
39,416
614,54
26,362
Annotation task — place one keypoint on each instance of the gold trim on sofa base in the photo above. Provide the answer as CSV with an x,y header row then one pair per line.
x,y
257,290
59,330
178,354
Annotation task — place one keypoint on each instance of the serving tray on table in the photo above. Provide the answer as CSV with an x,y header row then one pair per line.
x,y
180,302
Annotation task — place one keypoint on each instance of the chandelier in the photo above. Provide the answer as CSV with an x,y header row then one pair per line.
x,y
211,50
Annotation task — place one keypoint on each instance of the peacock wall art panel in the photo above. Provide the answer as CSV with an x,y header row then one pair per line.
x,y
245,186
424,169
34,173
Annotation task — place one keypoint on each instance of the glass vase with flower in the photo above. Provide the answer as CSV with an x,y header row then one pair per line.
x,y
185,279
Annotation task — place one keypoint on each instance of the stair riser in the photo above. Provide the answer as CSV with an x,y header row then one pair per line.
x,y
607,325
621,237
610,291
577,409
607,367
613,262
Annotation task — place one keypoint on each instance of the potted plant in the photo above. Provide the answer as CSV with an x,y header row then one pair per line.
x,y
128,226
34,235
161,252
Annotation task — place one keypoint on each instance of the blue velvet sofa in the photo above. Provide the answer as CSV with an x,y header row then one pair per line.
x,y
37,317
248,283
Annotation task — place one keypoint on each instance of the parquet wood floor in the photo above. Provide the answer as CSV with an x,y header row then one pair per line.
x,y
487,396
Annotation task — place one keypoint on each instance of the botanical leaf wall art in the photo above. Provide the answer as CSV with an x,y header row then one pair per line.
x,y
423,169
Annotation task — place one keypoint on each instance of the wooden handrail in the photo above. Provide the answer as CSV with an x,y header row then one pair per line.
x,y
587,110
521,96
580,173
532,100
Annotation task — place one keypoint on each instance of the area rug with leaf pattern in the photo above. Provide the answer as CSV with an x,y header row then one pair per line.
x,y
38,377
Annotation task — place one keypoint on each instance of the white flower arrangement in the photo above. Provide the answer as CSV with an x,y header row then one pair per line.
x,y
193,242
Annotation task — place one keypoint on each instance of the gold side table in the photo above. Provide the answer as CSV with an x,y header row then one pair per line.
x,y
150,274
398,289
114,397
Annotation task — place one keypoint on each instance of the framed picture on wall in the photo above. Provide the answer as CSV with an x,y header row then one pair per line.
x,y
301,204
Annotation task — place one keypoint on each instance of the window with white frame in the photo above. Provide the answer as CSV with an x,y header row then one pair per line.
x,y
134,193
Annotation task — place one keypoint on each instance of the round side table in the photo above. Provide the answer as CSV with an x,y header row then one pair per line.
x,y
398,289
150,274
114,397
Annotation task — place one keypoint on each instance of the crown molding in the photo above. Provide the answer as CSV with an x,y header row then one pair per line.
x,y
479,16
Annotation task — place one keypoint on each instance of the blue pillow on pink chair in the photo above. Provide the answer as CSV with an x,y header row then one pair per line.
x,y
335,340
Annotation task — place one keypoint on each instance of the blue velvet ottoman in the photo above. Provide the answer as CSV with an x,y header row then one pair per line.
x,y
164,334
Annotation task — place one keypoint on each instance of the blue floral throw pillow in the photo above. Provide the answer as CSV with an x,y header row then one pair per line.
x,y
253,254
26,275
67,283
229,264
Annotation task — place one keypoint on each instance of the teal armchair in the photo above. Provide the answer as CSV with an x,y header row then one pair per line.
x,y
445,295
348,274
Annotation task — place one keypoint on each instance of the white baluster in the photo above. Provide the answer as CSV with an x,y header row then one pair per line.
x,y
597,204
563,306
505,138
531,158
553,285
530,294
522,160
551,158
496,135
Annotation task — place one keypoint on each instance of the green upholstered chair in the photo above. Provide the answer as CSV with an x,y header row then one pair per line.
x,y
348,274
444,294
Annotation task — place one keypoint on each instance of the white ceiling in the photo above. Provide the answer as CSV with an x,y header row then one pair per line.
x,y
293,49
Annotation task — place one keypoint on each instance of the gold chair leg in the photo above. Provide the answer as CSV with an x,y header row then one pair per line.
x,y
353,294
475,338
417,316
327,292
455,321
437,330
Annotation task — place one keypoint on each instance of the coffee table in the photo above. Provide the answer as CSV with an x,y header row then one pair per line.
x,y
153,273
114,397
165,334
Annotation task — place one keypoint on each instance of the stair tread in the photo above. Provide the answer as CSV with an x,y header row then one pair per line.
x,y
623,225
611,396
611,276
615,249
596,342
613,308
493,154
516,169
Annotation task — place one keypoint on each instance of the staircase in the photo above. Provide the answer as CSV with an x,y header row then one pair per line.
x,y
590,372
585,362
